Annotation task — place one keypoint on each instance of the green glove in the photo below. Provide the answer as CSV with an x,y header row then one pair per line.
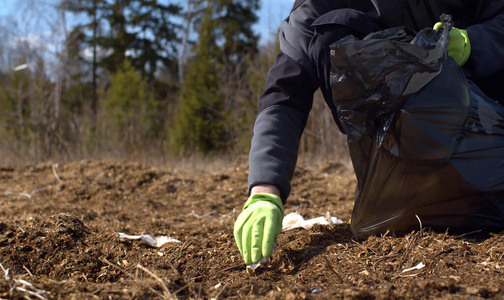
x,y
258,225
459,46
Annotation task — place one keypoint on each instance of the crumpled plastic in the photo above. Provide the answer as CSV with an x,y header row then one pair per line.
x,y
253,267
153,241
295,220
427,145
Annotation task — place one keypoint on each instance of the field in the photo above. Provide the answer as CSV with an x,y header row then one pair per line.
x,y
59,239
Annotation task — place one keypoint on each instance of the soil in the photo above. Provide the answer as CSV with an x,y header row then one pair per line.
x,y
59,239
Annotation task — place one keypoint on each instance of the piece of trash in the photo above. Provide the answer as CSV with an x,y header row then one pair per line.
x,y
252,267
315,290
417,267
295,220
153,241
263,261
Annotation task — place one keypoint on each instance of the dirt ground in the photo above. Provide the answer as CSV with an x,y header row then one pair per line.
x,y
59,239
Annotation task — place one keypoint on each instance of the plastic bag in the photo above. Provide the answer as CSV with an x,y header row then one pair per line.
x,y
295,220
426,144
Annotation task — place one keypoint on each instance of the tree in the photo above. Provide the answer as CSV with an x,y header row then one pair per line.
x,y
199,123
156,36
128,107
94,9
234,22
215,76
254,80
28,111
142,31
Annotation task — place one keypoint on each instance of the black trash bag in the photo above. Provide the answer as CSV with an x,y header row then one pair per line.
x,y
427,145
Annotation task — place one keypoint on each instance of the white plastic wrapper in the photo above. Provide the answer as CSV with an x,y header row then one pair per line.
x,y
153,241
417,267
263,261
252,267
295,220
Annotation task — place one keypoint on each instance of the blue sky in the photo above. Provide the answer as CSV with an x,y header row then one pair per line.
x,y
33,22
271,14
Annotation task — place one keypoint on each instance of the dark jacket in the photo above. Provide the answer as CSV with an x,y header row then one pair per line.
x,y
302,66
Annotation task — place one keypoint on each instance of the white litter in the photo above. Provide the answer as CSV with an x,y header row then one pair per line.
x,y
252,267
153,241
295,220
263,261
417,267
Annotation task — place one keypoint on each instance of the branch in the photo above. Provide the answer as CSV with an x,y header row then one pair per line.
x,y
168,295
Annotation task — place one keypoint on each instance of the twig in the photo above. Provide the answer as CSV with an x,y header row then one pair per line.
x,y
29,273
174,269
240,266
363,248
445,235
157,293
7,193
103,259
6,272
222,290
194,214
40,189
409,248
24,194
29,288
54,166
31,293
468,233
184,246
332,269
166,290
181,289
419,221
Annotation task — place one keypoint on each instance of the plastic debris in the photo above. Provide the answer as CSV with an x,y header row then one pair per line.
x,y
417,267
263,261
153,241
295,220
252,267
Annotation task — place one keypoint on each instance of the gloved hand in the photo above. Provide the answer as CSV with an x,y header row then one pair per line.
x,y
459,46
258,225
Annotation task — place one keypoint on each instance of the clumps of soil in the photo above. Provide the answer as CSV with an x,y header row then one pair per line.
x,y
59,240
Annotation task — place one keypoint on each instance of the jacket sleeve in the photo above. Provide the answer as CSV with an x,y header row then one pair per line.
x,y
285,104
300,69
283,110
487,47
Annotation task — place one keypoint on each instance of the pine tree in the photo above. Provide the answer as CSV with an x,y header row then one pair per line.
x,y
128,107
199,123
91,34
156,35
215,77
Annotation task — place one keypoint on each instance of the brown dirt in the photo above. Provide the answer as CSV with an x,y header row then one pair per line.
x,y
59,240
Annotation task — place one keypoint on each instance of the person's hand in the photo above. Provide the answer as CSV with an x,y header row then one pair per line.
x,y
258,225
459,46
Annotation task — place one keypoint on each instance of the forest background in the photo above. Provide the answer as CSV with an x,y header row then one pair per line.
x,y
151,81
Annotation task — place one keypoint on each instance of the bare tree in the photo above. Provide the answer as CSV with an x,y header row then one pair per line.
x,y
190,14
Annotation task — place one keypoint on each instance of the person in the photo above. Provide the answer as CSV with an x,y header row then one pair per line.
x,y
476,43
